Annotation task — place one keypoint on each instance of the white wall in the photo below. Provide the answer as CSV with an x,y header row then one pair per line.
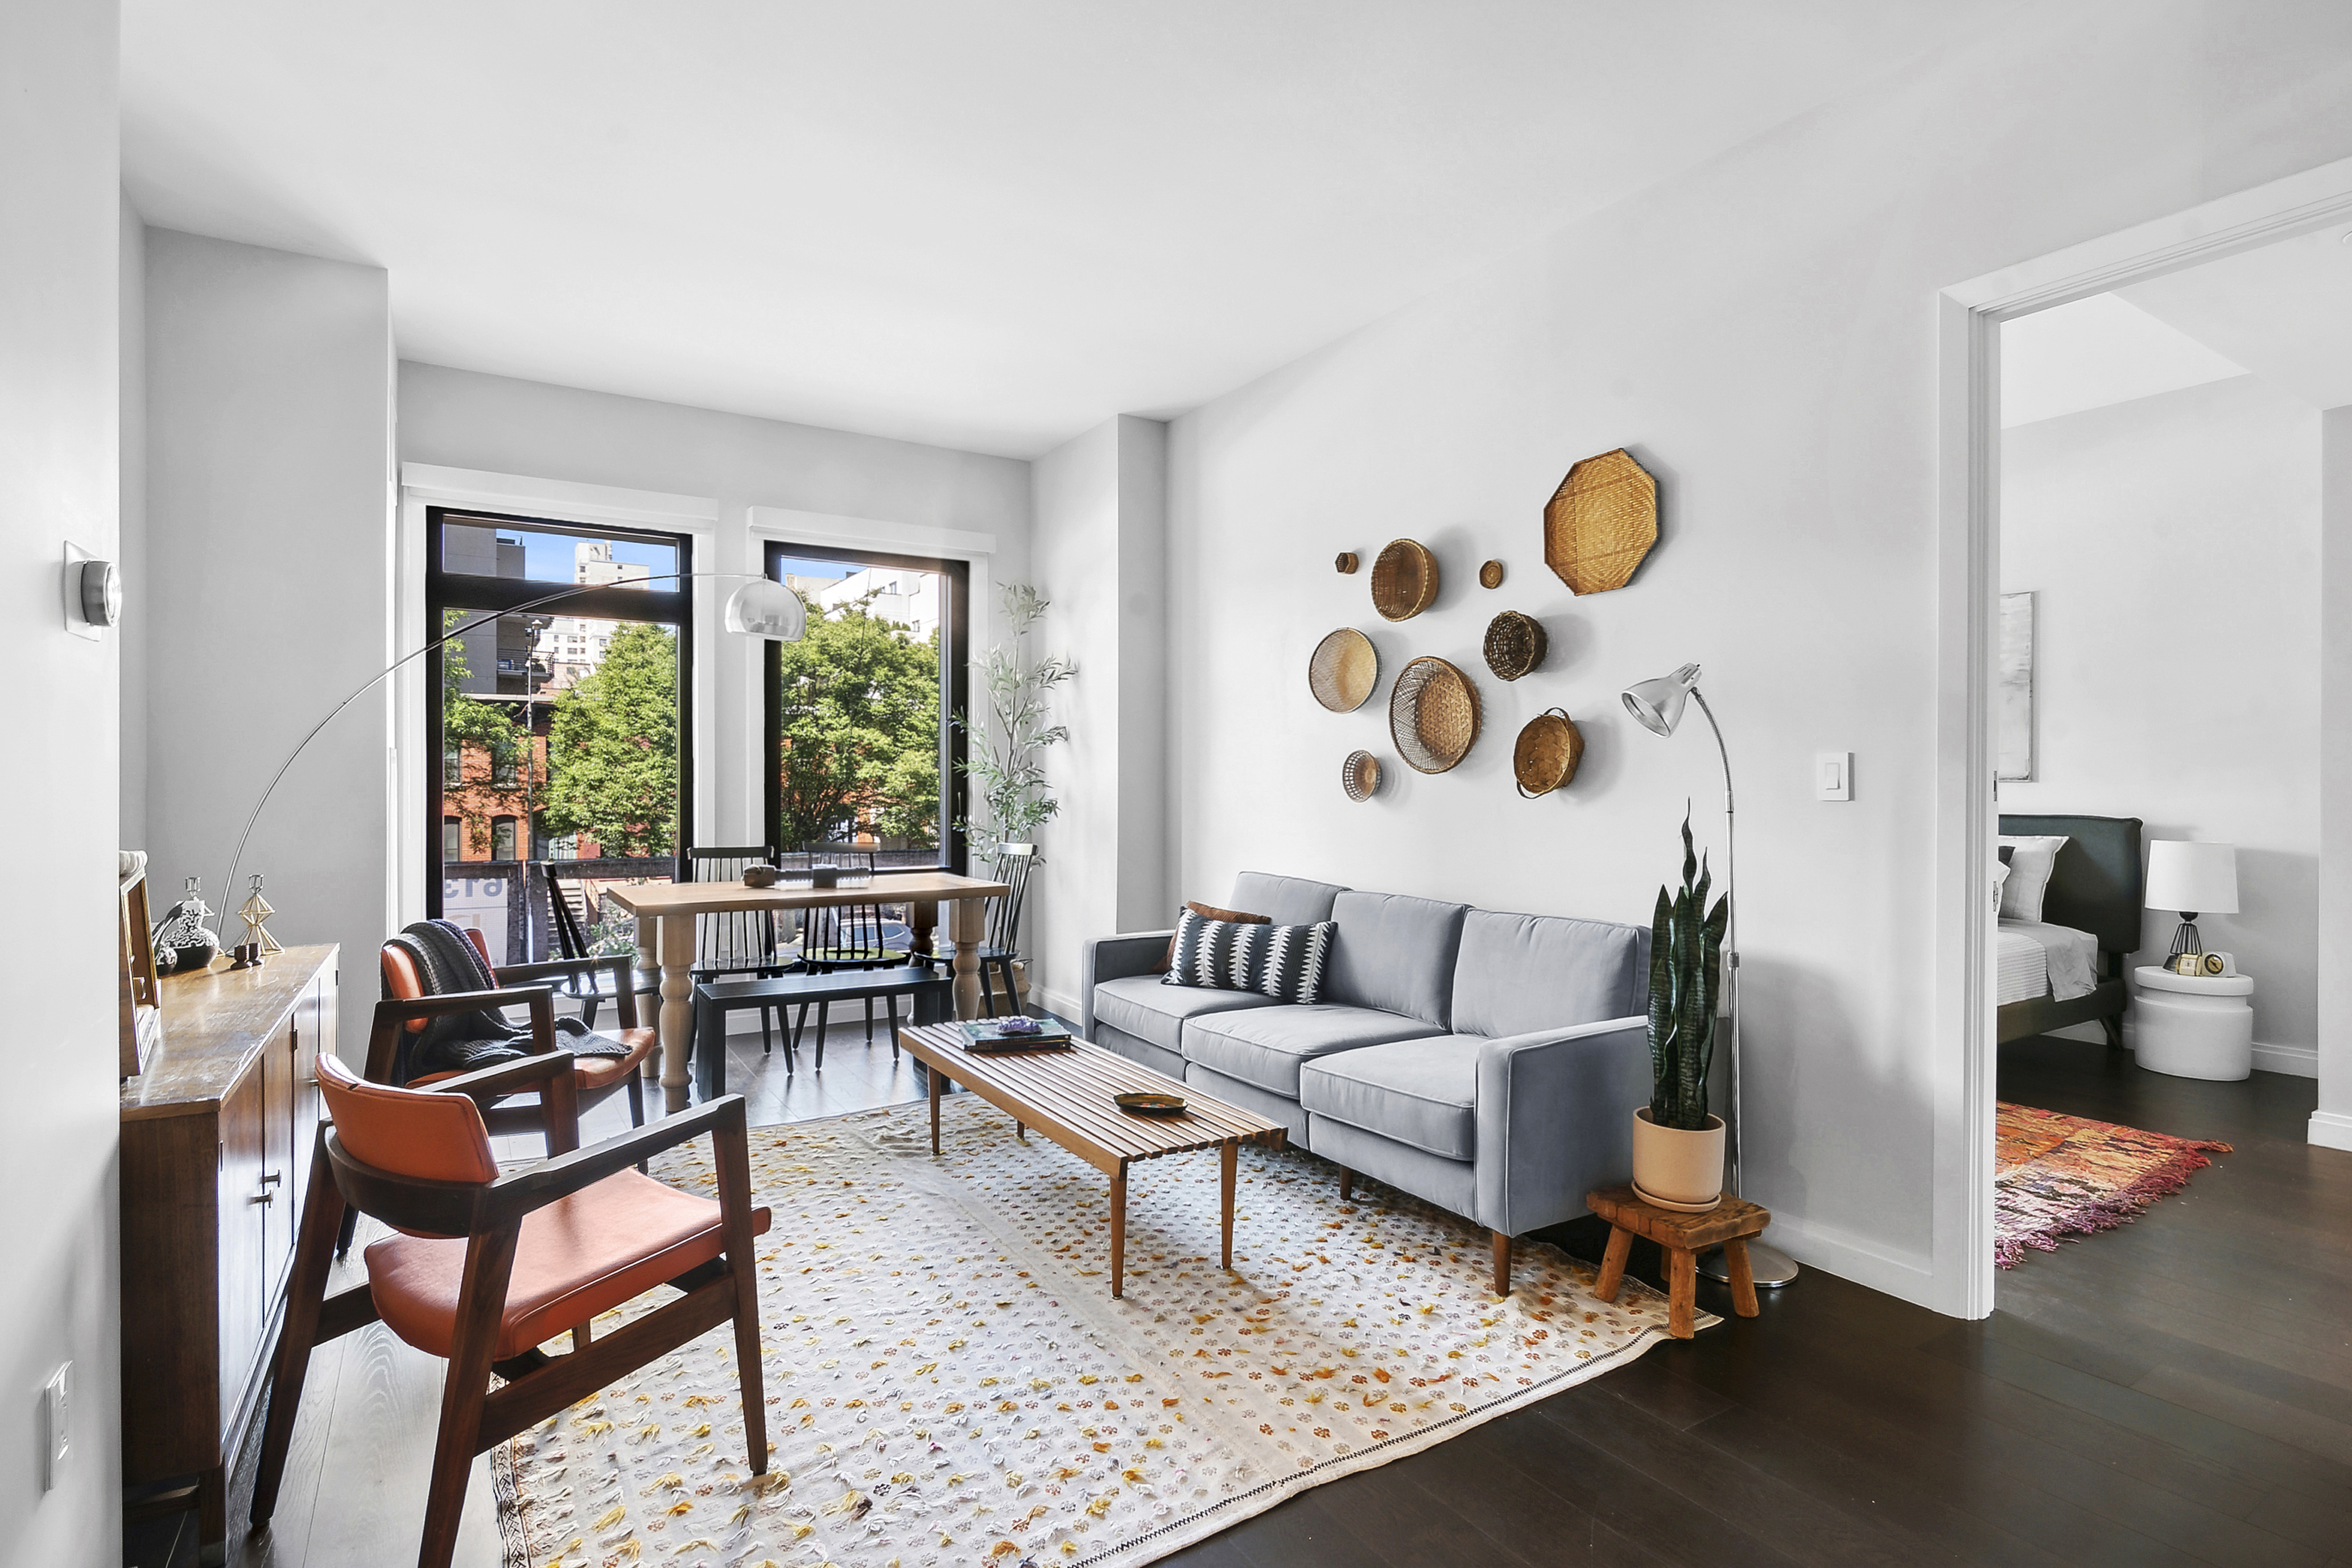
x,y
2331,1124
2173,543
1099,543
59,168
1762,330
136,588
905,492
269,489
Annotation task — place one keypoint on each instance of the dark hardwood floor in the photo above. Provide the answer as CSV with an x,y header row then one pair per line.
x,y
2176,1392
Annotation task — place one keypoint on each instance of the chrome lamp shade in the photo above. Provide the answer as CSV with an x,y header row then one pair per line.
x,y
764,607
1658,703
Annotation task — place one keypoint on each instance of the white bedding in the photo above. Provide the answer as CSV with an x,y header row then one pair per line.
x,y
2036,960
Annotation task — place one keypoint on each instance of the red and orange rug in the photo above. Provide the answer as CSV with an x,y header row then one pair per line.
x,y
2067,1175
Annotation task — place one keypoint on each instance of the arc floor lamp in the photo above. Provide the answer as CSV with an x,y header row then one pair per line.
x,y
1657,704
762,607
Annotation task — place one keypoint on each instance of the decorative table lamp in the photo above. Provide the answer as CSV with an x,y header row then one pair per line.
x,y
2192,879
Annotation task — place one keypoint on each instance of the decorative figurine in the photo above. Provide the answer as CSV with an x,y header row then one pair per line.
x,y
183,942
258,943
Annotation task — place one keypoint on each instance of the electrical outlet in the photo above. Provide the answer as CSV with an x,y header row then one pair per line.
x,y
57,1423
1834,775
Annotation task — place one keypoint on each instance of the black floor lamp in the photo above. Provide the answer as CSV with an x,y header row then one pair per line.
x,y
1658,705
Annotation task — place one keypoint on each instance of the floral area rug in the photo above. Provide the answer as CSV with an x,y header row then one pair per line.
x,y
949,1382
2067,1175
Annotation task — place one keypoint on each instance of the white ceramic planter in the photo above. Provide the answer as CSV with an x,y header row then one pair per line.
x,y
1676,1169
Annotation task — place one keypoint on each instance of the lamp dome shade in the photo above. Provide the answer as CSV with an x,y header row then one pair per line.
x,y
2185,878
764,607
1658,703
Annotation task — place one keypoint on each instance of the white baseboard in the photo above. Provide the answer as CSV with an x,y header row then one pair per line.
x,y
2296,1061
1906,1276
1053,1002
2331,1129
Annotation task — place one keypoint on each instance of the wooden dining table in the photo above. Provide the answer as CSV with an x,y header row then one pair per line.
x,y
666,912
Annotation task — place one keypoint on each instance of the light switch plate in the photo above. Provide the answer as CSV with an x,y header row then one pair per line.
x,y
57,1423
1834,775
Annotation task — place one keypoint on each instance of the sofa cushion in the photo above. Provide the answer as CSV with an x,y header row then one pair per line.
x,y
1140,1006
1421,1092
1396,954
1285,962
1267,1045
1285,900
1519,974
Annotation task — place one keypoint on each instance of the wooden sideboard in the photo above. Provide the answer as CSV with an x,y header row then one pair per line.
x,y
217,1134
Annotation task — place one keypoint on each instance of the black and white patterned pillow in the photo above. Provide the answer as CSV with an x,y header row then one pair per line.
x,y
1285,962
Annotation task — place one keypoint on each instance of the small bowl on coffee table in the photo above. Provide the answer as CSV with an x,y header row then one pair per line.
x,y
1149,1104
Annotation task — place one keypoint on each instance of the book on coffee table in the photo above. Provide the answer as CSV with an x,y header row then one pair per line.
x,y
987,1037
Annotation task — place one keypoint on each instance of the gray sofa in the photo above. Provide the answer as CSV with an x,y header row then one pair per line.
x,y
1489,1063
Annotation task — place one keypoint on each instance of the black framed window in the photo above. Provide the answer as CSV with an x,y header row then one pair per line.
x,y
862,751
564,727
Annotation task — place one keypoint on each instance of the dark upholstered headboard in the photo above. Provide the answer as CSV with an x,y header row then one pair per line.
x,y
2095,885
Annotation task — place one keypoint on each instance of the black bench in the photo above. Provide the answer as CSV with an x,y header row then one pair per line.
x,y
931,995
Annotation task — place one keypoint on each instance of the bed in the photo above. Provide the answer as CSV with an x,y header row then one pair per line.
x,y
2091,915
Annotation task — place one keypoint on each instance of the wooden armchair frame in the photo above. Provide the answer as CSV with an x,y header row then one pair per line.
x,y
490,1215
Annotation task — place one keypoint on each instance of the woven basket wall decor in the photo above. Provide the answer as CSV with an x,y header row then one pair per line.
x,y
1433,715
1490,575
1404,579
1544,758
1360,775
1516,645
1343,670
1600,523
1345,563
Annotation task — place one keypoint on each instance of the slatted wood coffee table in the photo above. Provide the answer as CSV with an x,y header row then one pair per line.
x,y
1066,1094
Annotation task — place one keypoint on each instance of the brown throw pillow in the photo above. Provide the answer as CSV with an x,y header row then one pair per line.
x,y
1211,912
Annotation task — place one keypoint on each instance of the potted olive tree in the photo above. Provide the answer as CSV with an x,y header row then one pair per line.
x,y
1677,1146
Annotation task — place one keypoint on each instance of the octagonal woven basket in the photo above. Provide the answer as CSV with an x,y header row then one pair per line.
x,y
1433,715
1600,523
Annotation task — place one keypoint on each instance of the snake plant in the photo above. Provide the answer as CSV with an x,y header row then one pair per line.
x,y
1685,970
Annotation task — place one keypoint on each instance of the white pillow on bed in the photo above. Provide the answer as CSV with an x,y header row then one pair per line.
x,y
2030,860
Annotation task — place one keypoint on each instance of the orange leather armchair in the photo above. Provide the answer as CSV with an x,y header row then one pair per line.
x,y
596,1078
486,1265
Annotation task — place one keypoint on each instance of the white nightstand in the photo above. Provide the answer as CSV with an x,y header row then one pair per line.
x,y
2193,1025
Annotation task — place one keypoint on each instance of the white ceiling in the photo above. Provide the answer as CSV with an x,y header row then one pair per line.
x,y
987,226
2094,352
2284,311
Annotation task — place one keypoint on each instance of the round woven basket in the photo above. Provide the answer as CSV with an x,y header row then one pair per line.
x,y
1544,758
1433,715
1360,775
1516,644
1404,579
1345,562
1343,670
1490,575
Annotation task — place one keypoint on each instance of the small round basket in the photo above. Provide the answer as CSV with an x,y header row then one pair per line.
x,y
1343,670
1490,575
1433,715
1360,775
1345,563
1516,644
1404,580
1544,758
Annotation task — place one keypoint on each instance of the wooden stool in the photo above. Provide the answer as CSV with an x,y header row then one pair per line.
x,y
1683,1236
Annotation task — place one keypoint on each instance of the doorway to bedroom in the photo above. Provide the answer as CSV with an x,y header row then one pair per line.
x,y
2157,713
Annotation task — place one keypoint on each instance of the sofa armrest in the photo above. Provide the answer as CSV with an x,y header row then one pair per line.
x,y
1554,1119
1117,958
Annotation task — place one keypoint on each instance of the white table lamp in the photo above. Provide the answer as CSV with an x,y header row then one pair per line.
x,y
2192,879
